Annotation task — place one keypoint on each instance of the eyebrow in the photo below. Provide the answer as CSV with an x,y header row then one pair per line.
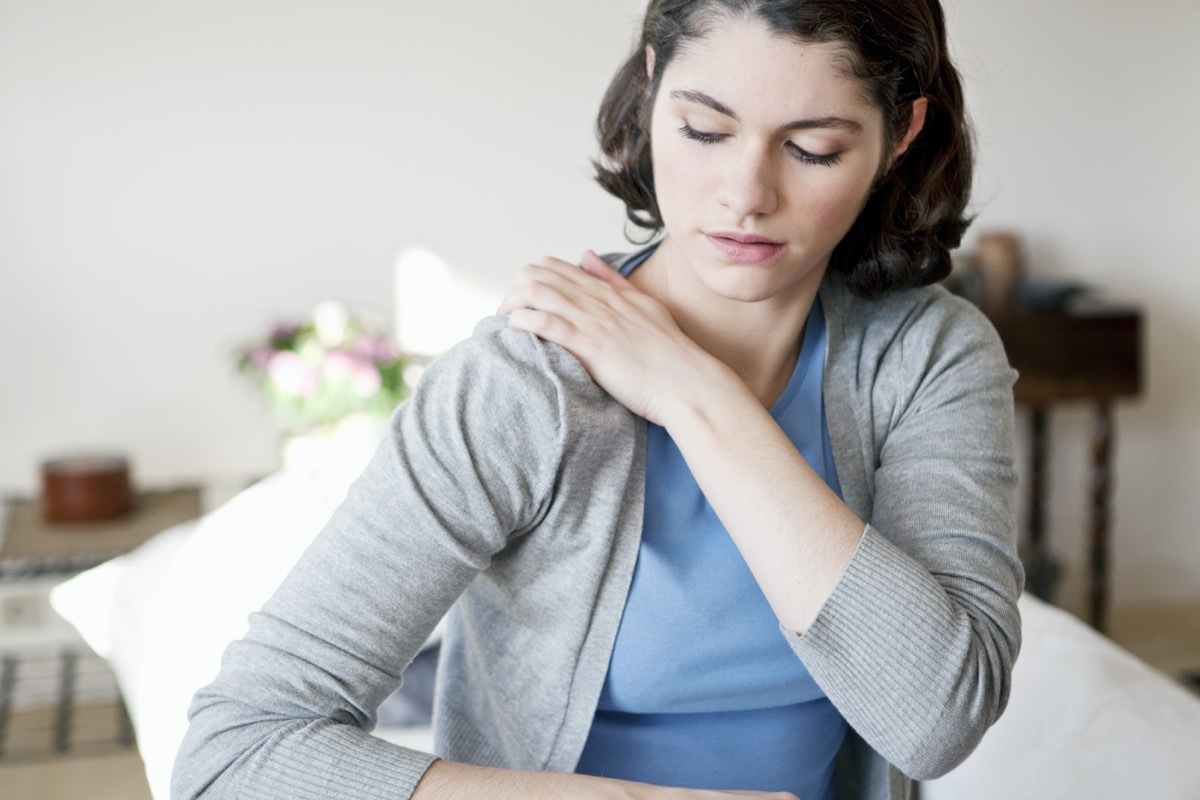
x,y
838,123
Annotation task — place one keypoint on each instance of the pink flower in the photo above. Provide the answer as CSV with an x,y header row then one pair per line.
x,y
375,348
284,330
363,377
291,375
366,380
339,365
260,357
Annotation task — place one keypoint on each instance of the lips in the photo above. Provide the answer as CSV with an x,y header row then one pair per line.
x,y
743,248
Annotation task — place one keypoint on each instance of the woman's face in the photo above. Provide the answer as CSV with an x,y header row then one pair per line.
x,y
764,153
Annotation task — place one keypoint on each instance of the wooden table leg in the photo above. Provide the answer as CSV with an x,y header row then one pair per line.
x,y
1041,571
1102,444
1037,481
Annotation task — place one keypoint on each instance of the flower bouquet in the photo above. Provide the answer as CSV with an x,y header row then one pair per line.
x,y
323,370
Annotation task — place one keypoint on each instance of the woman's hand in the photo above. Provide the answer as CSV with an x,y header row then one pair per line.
x,y
627,340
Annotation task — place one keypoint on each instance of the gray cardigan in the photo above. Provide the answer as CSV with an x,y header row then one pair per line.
x,y
511,488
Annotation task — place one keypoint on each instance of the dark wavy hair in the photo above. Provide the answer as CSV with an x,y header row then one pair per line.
x,y
897,49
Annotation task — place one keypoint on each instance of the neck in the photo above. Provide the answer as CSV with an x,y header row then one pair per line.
x,y
759,340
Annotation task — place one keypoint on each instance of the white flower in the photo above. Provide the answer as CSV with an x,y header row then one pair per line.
x,y
331,320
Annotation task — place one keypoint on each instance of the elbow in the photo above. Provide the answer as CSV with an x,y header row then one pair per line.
x,y
188,782
204,765
194,778
951,732
935,759
184,788
941,748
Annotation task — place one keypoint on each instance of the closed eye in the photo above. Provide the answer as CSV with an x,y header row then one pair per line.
x,y
798,152
812,158
700,136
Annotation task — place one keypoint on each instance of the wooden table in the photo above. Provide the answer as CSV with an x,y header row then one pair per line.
x,y
1088,350
31,546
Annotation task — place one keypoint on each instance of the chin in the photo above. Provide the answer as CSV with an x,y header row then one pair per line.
x,y
742,290
756,283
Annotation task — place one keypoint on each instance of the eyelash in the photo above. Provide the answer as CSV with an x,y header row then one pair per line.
x,y
801,155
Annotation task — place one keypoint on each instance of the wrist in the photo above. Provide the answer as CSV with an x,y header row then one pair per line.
x,y
703,386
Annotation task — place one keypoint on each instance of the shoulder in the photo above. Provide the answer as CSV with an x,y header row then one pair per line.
x,y
914,329
501,358
921,359
491,427
502,381
926,310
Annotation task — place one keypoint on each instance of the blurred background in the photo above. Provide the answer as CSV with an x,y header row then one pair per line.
x,y
176,176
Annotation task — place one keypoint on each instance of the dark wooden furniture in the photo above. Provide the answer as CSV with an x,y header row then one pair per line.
x,y
1086,350
29,545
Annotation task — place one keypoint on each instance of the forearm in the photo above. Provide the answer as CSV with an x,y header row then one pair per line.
x,y
447,780
928,625
918,664
794,532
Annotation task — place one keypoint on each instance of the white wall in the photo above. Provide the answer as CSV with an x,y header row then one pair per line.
x,y
174,176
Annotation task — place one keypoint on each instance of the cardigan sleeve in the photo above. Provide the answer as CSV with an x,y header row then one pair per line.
x,y
469,462
916,644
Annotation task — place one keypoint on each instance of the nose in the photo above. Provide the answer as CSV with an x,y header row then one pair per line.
x,y
749,187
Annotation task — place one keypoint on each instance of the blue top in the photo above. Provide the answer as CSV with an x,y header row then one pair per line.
x,y
737,710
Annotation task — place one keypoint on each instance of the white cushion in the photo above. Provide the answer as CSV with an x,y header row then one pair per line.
x,y
163,614
176,602
1086,719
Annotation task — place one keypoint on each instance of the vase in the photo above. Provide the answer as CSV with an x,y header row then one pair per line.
x,y
999,262
333,455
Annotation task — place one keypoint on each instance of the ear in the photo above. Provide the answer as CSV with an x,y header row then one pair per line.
x,y
649,63
919,109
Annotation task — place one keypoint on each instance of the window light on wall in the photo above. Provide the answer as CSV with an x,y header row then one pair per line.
x,y
435,308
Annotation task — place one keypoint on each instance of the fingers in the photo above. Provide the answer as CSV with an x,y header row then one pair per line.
x,y
548,326
596,266
531,280
549,295
584,295
590,266
556,266
566,278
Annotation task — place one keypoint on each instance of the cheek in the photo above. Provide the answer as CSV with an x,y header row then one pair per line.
x,y
677,180
834,205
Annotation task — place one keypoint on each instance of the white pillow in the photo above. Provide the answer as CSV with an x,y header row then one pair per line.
x,y
176,602
106,603
1086,719
163,614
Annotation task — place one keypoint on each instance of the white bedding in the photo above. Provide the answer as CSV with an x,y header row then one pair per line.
x,y
1086,720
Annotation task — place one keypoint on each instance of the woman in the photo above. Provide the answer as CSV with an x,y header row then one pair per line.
x,y
736,521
